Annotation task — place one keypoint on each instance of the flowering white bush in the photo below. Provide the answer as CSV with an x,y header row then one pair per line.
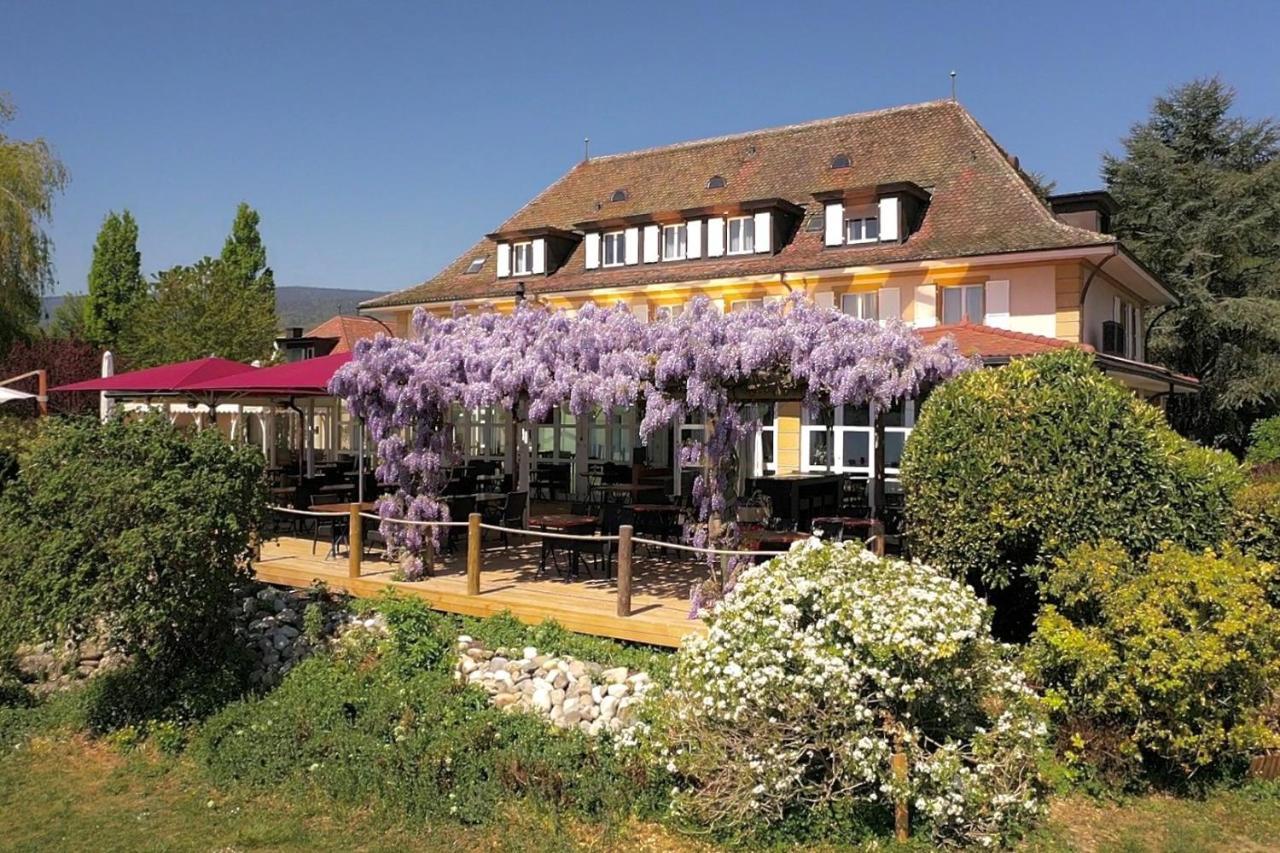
x,y
817,667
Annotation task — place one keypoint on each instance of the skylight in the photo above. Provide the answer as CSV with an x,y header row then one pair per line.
x,y
840,161
715,183
618,195
474,266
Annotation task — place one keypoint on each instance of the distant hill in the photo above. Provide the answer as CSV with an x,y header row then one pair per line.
x,y
295,306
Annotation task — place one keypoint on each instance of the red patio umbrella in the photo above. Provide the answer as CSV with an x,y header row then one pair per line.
x,y
164,379
307,378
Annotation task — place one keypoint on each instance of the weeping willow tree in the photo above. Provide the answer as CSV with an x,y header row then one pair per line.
x,y
30,176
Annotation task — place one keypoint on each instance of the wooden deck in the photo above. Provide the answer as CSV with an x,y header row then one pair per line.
x,y
508,581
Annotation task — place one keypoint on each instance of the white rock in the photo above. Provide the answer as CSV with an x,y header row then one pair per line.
x,y
617,675
619,690
597,694
529,653
608,706
542,700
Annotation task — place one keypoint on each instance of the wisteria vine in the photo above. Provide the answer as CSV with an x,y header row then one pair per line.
x,y
604,359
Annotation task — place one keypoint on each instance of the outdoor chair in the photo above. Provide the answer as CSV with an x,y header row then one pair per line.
x,y
511,514
460,509
336,524
612,516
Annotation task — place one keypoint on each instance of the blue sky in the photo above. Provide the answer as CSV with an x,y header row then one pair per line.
x,y
378,141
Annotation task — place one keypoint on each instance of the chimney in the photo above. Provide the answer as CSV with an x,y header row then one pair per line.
x,y
295,331
1091,211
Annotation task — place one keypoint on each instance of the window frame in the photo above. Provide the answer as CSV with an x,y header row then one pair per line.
x,y
682,241
862,221
522,251
619,242
742,249
963,290
860,296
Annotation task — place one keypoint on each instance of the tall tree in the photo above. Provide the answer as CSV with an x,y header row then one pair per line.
x,y
115,279
244,254
30,176
67,322
197,311
1199,196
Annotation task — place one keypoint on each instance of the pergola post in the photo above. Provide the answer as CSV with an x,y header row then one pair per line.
x,y
877,465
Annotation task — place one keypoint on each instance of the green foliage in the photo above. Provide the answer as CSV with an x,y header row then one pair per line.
x,y
1199,202
115,280
245,256
201,310
1167,664
1010,468
30,176
129,524
1256,525
67,322
1264,442
824,662
421,743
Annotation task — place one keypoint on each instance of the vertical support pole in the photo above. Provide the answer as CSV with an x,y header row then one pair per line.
x,y
625,551
355,542
429,553
473,554
877,470
901,812
42,392
877,537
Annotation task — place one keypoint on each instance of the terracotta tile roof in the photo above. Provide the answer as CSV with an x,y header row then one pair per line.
x,y
981,204
990,342
348,330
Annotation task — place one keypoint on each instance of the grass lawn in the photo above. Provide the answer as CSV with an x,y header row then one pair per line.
x,y
72,794
68,793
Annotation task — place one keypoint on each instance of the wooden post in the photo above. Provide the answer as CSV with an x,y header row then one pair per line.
x,y
42,392
355,542
877,537
473,554
624,570
901,812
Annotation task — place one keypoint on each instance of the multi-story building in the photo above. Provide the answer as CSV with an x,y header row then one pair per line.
x,y
913,213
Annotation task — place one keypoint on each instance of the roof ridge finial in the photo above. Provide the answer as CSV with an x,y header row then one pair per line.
x,y
953,86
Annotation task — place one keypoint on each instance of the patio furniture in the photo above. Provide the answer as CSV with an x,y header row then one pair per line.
x,y
577,524
323,503
800,498
612,516
460,508
511,514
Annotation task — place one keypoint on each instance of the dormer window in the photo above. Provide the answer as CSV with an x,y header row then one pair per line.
x,y
715,183
615,249
742,235
862,229
674,241
475,266
840,161
522,258
618,195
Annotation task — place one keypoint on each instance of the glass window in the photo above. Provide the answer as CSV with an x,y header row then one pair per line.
x,y
856,449
745,304
522,258
864,229
963,304
615,249
864,306
674,238
742,235
819,449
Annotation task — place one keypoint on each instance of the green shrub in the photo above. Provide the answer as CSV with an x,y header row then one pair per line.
x,y
1264,442
1256,527
132,527
1166,664
816,669
1010,468
421,743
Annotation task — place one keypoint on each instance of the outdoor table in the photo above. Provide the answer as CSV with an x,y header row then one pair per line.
x,y
770,540
630,490
338,487
340,533
561,523
839,525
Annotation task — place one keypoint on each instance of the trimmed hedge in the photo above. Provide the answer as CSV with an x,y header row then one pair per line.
x,y
1264,442
1011,468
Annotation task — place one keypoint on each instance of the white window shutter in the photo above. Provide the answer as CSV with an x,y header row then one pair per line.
x,y
651,234
504,260
764,231
539,256
593,250
693,246
715,236
826,299
632,239
834,224
926,306
890,303
890,214
997,308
